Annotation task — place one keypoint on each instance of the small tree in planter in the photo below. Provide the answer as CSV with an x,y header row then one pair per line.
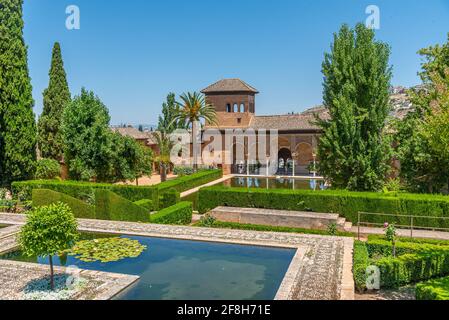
x,y
48,231
390,234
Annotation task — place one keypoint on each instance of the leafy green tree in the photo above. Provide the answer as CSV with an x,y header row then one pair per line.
x,y
165,146
92,150
87,139
47,169
17,124
422,137
56,97
167,122
131,160
353,150
49,230
192,109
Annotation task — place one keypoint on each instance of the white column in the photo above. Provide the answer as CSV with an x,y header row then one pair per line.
x,y
268,168
293,167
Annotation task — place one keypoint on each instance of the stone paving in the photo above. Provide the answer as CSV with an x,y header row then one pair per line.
x,y
14,276
323,272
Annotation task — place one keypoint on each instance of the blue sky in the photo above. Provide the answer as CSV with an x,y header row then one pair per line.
x,y
132,53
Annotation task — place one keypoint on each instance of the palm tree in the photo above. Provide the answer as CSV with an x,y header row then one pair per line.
x,y
192,110
163,158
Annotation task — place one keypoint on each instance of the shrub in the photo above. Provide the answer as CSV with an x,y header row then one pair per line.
x,y
345,203
81,190
436,242
381,247
145,203
85,190
47,169
43,197
48,231
110,206
185,183
360,264
169,198
183,171
412,268
180,214
437,289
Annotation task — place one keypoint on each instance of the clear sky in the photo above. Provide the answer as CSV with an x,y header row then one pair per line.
x,y
132,53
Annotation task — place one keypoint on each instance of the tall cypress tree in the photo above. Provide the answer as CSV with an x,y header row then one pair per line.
x,y
56,96
354,153
17,123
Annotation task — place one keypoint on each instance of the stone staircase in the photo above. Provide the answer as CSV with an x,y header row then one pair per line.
x,y
281,218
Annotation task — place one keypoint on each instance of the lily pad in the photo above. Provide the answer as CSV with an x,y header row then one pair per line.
x,y
106,249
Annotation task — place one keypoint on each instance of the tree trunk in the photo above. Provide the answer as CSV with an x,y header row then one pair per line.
x,y
52,281
195,145
137,181
163,172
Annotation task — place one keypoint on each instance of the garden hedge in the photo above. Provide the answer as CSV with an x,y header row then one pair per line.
x,y
360,264
180,213
345,203
415,262
81,190
437,289
185,183
86,190
169,198
145,203
43,197
110,206
412,268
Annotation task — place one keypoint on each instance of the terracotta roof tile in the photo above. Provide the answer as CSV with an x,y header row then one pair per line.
x,y
229,85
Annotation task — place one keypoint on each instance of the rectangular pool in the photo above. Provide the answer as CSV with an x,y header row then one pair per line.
x,y
181,269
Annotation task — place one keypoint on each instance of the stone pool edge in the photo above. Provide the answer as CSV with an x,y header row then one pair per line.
x,y
303,243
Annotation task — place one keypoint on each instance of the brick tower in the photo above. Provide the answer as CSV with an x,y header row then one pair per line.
x,y
234,101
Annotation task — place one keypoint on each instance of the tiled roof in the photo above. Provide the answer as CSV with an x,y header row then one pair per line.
x,y
135,134
229,85
285,122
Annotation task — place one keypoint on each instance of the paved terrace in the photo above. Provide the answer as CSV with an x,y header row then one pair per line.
x,y
321,269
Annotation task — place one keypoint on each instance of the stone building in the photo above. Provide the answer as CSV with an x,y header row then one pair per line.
x,y
235,104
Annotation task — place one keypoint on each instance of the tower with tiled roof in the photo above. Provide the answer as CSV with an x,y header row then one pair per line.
x,y
234,100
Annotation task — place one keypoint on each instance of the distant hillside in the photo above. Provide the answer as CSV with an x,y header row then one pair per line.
x,y
399,99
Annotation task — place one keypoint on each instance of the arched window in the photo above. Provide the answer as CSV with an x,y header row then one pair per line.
x,y
236,107
228,108
242,107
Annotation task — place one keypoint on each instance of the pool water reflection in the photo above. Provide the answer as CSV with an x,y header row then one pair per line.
x,y
181,269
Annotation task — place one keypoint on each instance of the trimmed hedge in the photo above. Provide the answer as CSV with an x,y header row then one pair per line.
x,y
86,190
145,203
185,183
43,197
180,213
415,262
110,206
437,289
360,264
345,203
412,268
169,198
81,190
